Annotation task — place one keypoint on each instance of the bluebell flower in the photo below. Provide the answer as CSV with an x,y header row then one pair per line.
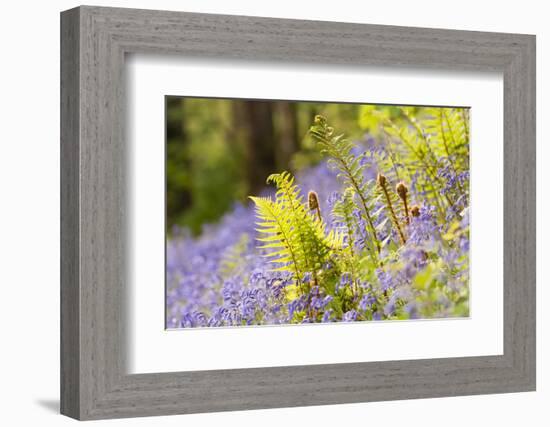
x,y
327,316
412,310
350,316
320,302
367,301
203,291
389,308
385,279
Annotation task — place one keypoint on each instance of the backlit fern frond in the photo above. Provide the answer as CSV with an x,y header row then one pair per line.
x,y
350,172
346,223
278,235
295,238
449,134
426,146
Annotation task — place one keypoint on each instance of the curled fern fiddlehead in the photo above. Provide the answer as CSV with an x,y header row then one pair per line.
x,y
402,191
389,201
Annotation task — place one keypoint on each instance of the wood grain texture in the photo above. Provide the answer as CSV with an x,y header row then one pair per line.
x,y
94,382
70,292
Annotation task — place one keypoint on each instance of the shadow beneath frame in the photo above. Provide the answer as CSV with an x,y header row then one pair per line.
x,y
52,405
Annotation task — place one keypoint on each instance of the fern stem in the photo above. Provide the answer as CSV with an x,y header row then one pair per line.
x,y
407,220
319,214
382,182
290,200
391,156
357,189
349,227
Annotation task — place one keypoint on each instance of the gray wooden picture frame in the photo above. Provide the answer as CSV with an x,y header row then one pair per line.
x,y
94,42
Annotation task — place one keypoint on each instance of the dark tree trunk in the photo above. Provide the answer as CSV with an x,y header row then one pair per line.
x,y
287,133
179,198
255,119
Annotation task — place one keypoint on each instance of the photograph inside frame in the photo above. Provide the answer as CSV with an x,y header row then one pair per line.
x,y
299,212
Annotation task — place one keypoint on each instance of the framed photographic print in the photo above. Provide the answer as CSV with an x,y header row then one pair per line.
x,y
371,229
262,213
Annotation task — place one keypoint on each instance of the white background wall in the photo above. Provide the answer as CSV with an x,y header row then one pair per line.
x,y
29,212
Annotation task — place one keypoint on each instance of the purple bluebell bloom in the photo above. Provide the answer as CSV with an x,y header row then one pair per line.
x,y
350,316
223,278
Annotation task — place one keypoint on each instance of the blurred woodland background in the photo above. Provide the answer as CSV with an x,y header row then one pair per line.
x,y
219,151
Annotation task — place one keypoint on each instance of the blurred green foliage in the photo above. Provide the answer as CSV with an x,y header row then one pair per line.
x,y
219,151
214,157
203,168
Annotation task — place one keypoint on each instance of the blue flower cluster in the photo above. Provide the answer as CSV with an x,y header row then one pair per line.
x,y
223,278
